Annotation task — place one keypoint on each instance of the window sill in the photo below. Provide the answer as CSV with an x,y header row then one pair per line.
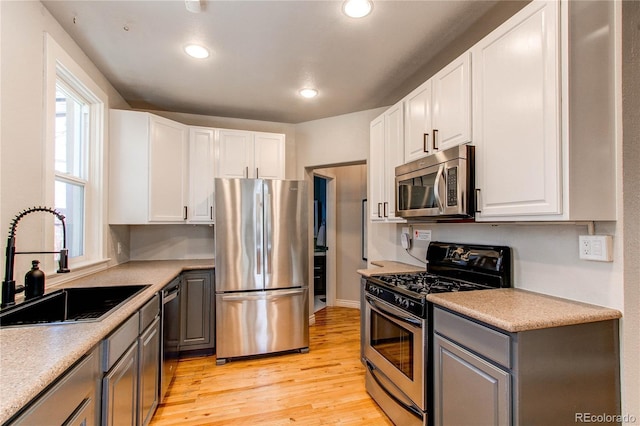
x,y
77,271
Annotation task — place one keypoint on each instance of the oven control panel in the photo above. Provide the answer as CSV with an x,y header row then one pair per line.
x,y
413,305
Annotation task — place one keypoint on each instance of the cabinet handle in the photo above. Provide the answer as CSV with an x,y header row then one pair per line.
x,y
379,205
425,142
185,212
386,208
211,212
477,201
435,137
257,174
246,172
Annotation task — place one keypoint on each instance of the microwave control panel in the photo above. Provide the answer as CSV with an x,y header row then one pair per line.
x,y
452,186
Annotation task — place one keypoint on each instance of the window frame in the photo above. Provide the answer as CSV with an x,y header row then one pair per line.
x,y
59,66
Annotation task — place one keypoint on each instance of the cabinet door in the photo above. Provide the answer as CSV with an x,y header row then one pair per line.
x,y
452,104
376,168
149,379
418,125
269,155
120,391
516,116
167,170
394,156
201,175
196,311
467,389
235,154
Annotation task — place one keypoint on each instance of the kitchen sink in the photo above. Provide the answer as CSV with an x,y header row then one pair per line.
x,y
70,305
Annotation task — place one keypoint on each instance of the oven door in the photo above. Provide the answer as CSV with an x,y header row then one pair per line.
x,y
394,345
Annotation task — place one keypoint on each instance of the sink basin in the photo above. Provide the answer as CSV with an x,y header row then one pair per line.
x,y
69,305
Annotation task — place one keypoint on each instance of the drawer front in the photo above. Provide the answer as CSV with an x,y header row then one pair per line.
x,y
483,340
76,391
119,341
149,312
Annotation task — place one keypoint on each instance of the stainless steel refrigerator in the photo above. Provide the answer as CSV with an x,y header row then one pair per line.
x,y
262,267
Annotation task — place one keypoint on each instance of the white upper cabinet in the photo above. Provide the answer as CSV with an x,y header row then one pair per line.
x,y
269,155
148,165
245,154
386,153
544,115
201,174
516,83
452,104
168,165
418,122
438,112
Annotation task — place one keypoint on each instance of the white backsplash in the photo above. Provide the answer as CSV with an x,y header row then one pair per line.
x,y
165,242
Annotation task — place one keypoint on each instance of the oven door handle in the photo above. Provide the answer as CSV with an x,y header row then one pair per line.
x,y
405,319
409,405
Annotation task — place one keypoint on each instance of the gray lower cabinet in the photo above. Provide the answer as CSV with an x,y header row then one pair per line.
x,y
120,390
131,366
551,376
149,378
197,311
73,399
469,389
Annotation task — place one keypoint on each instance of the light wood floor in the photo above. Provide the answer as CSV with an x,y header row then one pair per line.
x,y
323,387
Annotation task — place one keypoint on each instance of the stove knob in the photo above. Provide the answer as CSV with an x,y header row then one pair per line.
x,y
405,303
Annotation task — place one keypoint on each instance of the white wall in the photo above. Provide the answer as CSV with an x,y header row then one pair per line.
x,y
22,27
335,140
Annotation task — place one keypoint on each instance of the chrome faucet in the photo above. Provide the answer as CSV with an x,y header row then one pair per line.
x,y
9,288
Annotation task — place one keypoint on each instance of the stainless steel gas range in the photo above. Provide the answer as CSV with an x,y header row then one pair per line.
x,y
397,326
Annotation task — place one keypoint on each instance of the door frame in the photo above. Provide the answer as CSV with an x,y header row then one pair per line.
x,y
330,237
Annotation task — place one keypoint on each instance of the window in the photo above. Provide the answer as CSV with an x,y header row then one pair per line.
x,y
75,113
72,123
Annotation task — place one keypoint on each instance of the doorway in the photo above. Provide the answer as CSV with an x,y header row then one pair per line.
x,y
335,202
321,182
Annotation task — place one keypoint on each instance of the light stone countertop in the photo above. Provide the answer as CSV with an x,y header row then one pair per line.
x,y
32,357
390,267
517,310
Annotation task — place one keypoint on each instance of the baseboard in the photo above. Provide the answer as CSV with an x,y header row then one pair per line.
x,y
312,319
348,303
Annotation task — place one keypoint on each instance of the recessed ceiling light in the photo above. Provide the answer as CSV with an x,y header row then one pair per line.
x,y
196,51
308,93
357,8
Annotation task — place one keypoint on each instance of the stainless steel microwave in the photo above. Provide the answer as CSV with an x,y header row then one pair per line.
x,y
438,187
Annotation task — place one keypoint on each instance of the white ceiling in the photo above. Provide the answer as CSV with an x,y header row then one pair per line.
x,y
263,52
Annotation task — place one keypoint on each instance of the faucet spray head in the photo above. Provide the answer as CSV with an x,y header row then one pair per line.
x,y
63,263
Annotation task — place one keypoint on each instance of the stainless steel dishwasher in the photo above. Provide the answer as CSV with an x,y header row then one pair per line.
x,y
170,334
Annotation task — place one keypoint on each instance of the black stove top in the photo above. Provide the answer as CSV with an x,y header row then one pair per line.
x,y
452,267
423,283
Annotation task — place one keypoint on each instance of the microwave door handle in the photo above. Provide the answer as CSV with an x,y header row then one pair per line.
x,y
436,188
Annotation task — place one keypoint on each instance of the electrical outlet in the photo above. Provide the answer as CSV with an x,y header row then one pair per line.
x,y
596,247
422,235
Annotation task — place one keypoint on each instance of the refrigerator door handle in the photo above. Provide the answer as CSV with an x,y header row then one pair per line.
x,y
271,294
268,231
258,234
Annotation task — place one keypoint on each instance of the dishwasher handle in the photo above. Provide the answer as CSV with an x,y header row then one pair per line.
x,y
169,294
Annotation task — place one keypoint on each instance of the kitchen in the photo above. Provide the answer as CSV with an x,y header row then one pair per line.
x,y
547,259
